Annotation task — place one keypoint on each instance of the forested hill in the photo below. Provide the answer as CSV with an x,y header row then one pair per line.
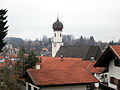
x,y
16,42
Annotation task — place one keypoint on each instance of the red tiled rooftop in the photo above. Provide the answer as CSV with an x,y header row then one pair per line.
x,y
55,70
2,64
57,63
93,69
61,76
1,57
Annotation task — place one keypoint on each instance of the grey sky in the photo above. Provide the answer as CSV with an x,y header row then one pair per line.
x,y
31,19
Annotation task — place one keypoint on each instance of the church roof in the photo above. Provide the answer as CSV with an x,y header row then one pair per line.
x,y
57,26
85,52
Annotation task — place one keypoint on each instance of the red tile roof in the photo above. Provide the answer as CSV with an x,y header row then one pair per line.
x,y
116,49
93,69
61,76
1,57
58,63
55,70
2,64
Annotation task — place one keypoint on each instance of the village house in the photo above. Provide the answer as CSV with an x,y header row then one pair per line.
x,y
111,60
56,73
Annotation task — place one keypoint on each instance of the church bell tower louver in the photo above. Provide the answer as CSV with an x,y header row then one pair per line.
x,y
57,38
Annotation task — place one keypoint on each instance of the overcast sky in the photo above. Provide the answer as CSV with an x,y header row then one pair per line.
x,y
31,19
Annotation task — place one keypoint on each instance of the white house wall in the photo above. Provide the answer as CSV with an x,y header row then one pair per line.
x,y
80,87
113,72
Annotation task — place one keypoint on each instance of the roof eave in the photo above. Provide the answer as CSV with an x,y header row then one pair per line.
x,y
31,77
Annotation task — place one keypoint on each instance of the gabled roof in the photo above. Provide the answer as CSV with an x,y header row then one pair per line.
x,y
110,53
61,76
57,71
58,63
85,52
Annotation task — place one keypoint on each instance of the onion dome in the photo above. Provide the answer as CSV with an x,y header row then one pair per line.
x,y
57,26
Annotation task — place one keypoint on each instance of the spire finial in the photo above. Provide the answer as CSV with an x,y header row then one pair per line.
x,y
57,16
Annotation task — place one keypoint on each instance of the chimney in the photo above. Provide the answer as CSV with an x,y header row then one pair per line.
x,y
92,58
37,66
61,57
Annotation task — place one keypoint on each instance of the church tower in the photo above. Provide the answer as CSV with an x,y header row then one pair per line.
x,y
57,38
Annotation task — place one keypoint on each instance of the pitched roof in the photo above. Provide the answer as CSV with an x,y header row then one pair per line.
x,y
57,71
60,76
58,63
94,51
54,62
85,52
73,51
108,55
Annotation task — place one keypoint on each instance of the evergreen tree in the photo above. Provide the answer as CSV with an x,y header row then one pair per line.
x,y
81,41
25,61
111,43
91,41
31,60
3,28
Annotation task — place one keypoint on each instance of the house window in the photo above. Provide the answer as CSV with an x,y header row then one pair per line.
x,y
117,62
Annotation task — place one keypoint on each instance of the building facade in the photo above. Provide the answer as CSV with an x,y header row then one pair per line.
x,y
111,60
